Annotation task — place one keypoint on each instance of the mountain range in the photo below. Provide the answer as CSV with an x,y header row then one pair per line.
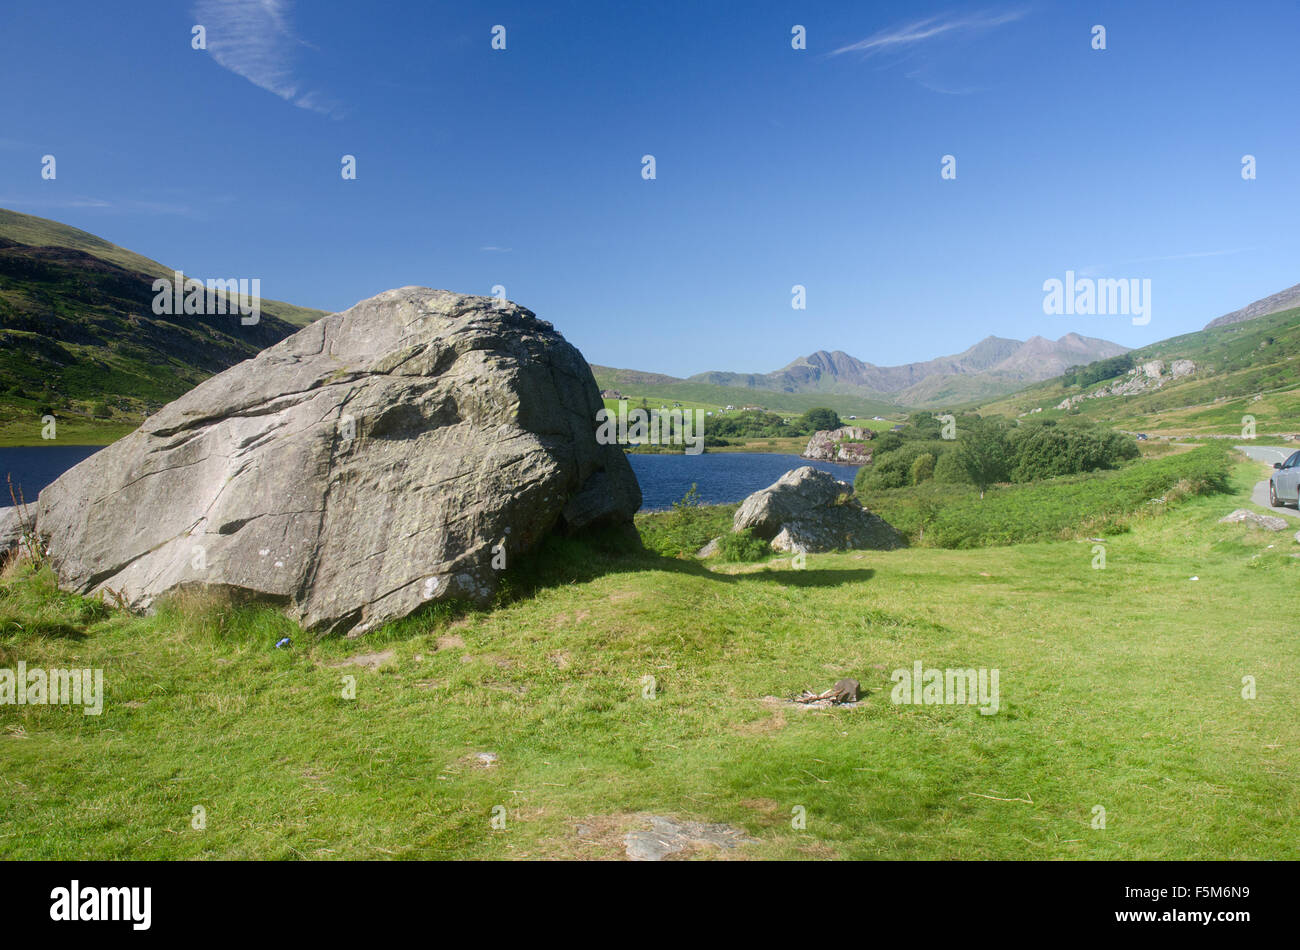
x,y
78,336
995,366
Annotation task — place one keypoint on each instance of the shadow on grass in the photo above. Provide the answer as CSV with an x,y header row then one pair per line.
x,y
567,560
42,629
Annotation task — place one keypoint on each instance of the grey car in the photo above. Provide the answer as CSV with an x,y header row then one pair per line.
x,y
1284,483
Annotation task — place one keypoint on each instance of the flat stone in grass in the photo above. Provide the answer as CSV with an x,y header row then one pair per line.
x,y
1267,522
669,836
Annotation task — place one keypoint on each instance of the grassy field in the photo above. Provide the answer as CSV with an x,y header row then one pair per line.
x,y
1119,687
1061,508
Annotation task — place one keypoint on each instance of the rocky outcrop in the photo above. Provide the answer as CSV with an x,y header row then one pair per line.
x,y
807,510
847,445
396,453
1145,378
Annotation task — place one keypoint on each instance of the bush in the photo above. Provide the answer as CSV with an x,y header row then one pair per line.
x,y
922,468
949,471
743,546
895,469
886,442
1042,450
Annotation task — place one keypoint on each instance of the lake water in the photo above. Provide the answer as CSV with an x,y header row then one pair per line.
x,y
720,477
34,467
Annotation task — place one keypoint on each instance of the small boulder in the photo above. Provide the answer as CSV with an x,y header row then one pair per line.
x,y
807,510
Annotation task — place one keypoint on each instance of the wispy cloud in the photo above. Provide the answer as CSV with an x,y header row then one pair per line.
x,y
82,203
253,39
492,248
1096,270
1190,255
918,32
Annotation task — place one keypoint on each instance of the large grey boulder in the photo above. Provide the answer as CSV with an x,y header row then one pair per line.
x,y
11,528
376,460
810,510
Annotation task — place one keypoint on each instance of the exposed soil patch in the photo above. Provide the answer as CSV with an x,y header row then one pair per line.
x,y
370,661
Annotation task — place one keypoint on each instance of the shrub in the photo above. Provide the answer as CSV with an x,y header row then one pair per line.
x,y
743,546
1042,450
687,528
949,471
895,469
922,468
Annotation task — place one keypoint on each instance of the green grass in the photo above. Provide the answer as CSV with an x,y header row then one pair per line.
x,y
1070,506
1119,687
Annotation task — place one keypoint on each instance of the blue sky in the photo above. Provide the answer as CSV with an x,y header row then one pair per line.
x,y
775,167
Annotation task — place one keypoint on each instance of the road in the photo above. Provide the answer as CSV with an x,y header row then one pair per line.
x,y
1270,455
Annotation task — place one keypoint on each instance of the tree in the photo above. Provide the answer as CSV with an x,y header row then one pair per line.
x,y
983,451
816,420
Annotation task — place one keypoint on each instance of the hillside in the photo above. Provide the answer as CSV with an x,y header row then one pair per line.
x,y
42,232
1275,303
1235,369
79,338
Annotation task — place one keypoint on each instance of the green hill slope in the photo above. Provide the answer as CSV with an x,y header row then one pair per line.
x,y
79,339
1240,369
42,232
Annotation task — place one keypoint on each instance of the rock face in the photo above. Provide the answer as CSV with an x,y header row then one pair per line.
x,y
846,444
809,510
360,468
1145,378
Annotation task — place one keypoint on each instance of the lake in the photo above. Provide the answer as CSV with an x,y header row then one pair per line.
x,y
720,477
34,467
